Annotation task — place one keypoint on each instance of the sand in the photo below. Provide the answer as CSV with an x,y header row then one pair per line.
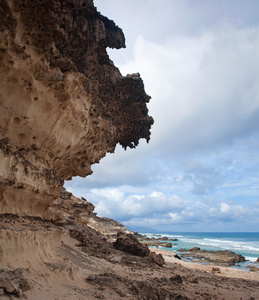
x,y
55,267
117,281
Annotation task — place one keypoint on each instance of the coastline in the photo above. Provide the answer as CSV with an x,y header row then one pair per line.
x,y
239,243
64,106
71,261
230,272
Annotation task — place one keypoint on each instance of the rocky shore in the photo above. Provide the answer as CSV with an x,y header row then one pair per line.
x,y
195,254
156,242
219,257
66,260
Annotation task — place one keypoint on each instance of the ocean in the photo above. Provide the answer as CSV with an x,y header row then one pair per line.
x,y
244,243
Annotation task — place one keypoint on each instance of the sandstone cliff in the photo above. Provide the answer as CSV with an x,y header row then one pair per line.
x,y
63,103
63,106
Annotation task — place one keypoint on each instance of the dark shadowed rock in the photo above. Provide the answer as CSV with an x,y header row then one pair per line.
x,y
177,256
157,258
128,243
176,279
194,249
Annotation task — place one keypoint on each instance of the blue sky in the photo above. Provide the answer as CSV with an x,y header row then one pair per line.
x,y
199,61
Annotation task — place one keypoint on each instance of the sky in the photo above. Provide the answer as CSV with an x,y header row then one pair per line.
x,y
199,61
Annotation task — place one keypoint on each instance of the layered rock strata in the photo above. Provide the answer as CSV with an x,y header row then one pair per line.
x,y
108,227
63,103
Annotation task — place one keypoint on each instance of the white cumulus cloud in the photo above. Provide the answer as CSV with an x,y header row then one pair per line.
x,y
175,218
224,208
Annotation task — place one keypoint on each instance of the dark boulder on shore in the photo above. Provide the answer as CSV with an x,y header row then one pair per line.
x,y
129,243
221,257
194,249
177,256
157,258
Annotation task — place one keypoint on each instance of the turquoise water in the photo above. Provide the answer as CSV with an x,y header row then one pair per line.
x,y
246,244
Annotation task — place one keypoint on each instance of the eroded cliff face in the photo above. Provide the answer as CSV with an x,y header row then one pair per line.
x,y
63,103
63,106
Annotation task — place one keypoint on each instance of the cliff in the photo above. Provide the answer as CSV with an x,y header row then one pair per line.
x,y
63,103
63,106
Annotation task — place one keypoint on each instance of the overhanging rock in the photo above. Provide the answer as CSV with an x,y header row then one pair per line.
x,y
63,103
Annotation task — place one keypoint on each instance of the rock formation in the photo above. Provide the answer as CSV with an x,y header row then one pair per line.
x,y
129,243
63,106
108,227
63,103
156,242
217,257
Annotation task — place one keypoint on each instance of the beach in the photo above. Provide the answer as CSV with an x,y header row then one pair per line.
x,y
71,261
230,272
242,246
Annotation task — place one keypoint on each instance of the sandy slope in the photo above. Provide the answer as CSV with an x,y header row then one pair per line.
x,y
59,266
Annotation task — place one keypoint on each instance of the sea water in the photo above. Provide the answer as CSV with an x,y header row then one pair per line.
x,y
244,243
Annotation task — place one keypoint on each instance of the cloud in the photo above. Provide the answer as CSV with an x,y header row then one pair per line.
x,y
200,169
203,177
199,216
205,97
204,89
175,218
224,208
112,202
158,211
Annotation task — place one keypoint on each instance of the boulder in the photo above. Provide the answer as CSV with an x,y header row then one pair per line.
x,y
157,259
177,256
128,243
182,250
225,257
194,249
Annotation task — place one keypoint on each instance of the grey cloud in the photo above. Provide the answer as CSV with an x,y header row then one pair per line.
x,y
204,178
200,65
